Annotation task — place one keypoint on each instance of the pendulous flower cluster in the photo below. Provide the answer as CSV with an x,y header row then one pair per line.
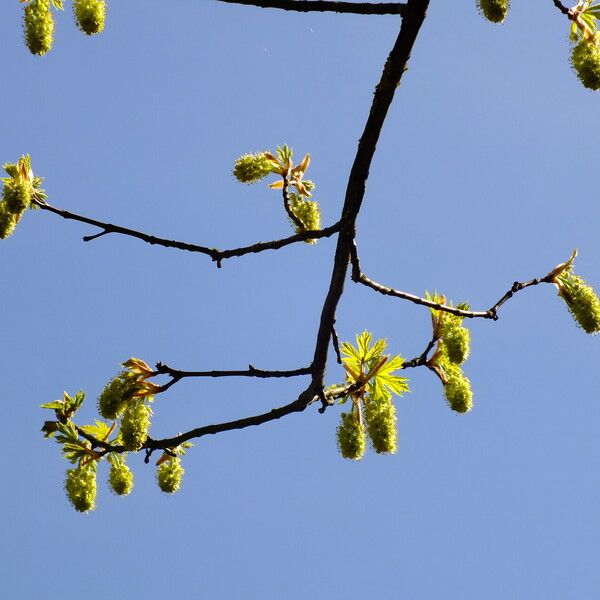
x,y
38,26
494,10
371,381
90,15
81,487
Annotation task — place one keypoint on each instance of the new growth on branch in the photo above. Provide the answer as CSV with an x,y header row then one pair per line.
x,y
368,377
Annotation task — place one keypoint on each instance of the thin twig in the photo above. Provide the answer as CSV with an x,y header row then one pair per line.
x,y
357,8
215,254
336,344
492,313
288,209
178,374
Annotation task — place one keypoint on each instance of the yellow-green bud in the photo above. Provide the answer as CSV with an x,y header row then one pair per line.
x,y
457,341
17,194
585,59
8,221
120,479
582,301
169,475
380,415
80,485
351,436
38,26
135,424
494,10
90,15
251,168
308,212
457,390
115,394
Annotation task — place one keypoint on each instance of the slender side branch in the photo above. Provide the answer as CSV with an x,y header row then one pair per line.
x,y
288,208
492,313
177,374
357,8
215,254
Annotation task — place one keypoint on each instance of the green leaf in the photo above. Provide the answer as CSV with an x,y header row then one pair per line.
x,y
56,405
58,4
100,430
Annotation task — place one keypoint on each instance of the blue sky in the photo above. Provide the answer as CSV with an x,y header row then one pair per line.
x,y
485,174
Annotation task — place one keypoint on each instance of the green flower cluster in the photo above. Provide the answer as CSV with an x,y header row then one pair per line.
x,y
169,475
80,485
455,338
307,212
352,441
90,15
370,374
127,396
380,415
38,26
494,10
18,191
581,300
120,477
135,424
251,168
585,60
457,389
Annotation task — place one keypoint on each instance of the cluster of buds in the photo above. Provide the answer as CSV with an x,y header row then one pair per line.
x,y
120,477
580,298
494,10
126,397
90,15
18,192
38,26
38,22
81,487
304,214
585,53
452,350
370,385
169,472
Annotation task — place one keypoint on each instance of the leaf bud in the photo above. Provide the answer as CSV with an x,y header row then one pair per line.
x,y
120,478
351,436
80,485
380,415
38,25
585,60
457,389
90,15
251,168
169,475
135,424
494,10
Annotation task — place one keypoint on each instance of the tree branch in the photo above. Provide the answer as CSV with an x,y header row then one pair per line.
x,y
357,8
492,313
178,374
393,70
563,9
215,254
